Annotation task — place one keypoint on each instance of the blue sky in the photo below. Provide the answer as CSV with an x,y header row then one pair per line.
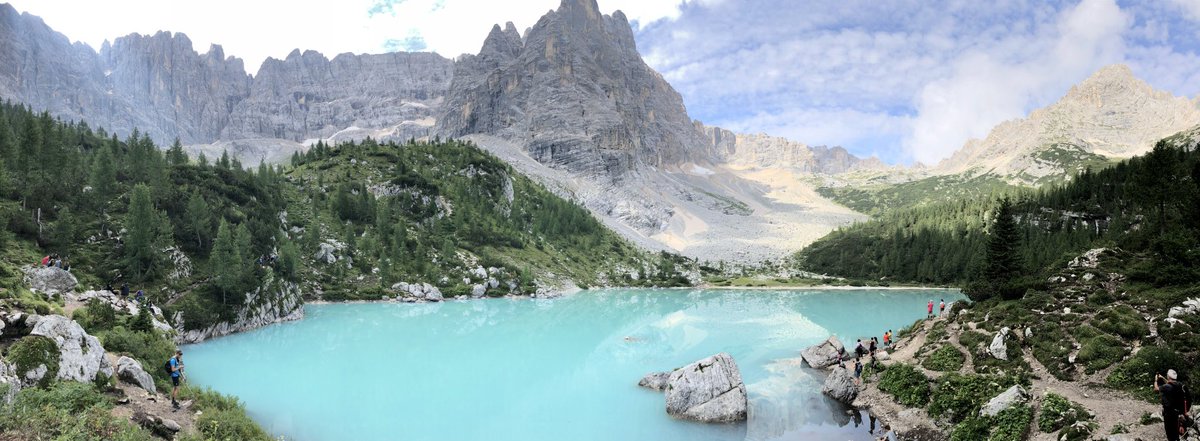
x,y
905,80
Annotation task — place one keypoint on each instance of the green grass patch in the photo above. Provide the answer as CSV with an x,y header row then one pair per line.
x,y
908,385
1059,412
946,358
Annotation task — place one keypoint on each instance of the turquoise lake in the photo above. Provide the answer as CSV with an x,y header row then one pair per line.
x,y
535,369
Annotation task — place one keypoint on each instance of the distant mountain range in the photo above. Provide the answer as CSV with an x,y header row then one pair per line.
x,y
568,101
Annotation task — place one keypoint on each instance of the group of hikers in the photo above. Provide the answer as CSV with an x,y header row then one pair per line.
x,y
139,296
54,261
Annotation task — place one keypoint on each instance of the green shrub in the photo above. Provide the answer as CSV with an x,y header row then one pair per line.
x,y
1011,424
958,396
1148,419
944,359
1059,412
1123,321
1077,432
1101,352
1136,374
65,411
974,428
906,383
33,351
96,316
972,339
151,349
230,425
1051,346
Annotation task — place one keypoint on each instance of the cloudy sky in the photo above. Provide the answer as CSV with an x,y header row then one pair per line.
x,y
906,80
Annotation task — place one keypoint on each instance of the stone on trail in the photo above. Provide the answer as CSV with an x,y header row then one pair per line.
x,y
130,371
1013,396
824,354
656,381
997,348
709,390
840,386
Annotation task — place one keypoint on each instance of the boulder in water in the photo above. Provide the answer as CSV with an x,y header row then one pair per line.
x,y
656,381
840,386
709,391
130,371
1013,396
825,354
50,280
997,348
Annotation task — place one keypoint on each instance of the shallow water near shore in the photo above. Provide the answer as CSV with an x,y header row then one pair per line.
x,y
530,369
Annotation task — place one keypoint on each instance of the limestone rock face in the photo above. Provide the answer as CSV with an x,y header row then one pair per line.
x,y
1013,396
307,96
764,151
840,386
575,92
81,355
657,381
824,354
1112,114
9,378
270,303
998,348
50,280
130,371
709,390
419,291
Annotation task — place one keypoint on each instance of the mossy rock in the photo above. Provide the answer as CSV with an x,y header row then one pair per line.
x,y
33,351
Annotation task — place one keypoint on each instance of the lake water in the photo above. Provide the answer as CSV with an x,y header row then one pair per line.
x,y
528,369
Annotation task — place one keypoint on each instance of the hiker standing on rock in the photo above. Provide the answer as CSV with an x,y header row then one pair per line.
x,y
858,367
176,368
942,308
930,309
1174,402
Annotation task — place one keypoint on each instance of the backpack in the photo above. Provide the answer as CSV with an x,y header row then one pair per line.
x,y
167,366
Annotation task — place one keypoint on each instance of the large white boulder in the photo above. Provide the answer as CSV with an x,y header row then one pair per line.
x,y
998,348
81,355
824,354
130,371
840,386
1013,396
50,280
709,390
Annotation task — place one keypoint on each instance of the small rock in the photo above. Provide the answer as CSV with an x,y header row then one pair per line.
x,y
130,371
1028,332
477,290
656,381
171,425
1066,310
1013,396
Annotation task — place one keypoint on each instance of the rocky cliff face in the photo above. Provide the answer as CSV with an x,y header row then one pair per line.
x,y
161,86
307,96
764,151
1112,114
575,92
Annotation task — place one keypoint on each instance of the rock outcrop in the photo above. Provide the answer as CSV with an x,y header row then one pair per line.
x,y
1013,396
81,356
657,381
10,381
271,303
709,390
825,354
840,385
160,427
130,371
418,291
50,280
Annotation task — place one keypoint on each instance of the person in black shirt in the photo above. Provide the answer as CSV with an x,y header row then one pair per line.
x,y
1174,402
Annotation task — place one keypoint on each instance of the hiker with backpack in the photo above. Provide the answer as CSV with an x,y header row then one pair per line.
x,y
174,367
1175,403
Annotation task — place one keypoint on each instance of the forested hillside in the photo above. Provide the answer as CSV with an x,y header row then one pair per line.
x,y
342,222
1144,204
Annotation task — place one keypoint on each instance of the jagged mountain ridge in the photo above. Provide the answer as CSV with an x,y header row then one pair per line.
x,y
161,86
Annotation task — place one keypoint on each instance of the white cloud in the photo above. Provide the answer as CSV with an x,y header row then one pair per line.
x,y
255,30
1189,7
1008,79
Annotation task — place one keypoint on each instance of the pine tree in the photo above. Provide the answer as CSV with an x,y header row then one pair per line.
x,y
1003,260
176,155
224,161
103,178
199,221
225,262
148,234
